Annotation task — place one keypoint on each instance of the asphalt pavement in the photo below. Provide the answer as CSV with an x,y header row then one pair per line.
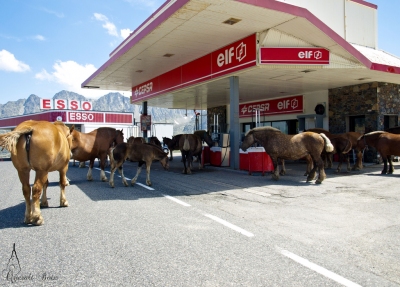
x,y
216,227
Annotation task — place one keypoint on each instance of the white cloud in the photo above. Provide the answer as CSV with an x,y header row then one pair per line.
x,y
125,33
9,63
57,14
39,37
109,26
70,75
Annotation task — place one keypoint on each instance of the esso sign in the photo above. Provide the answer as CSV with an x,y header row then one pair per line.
x,y
61,104
81,117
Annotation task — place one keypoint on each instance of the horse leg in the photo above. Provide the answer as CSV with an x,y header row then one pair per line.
x,y
329,157
139,169
89,174
171,158
358,164
391,167
26,190
40,180
189,162
121,172
339,168
320,164
43,202
148,165
384,170
63,184
310,165
103,160
275,174
283,168
184,162
199,159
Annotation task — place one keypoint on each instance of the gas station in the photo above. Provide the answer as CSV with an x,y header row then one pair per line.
x,y
290,64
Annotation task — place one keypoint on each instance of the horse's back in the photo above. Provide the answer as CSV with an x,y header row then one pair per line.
x,y
47,147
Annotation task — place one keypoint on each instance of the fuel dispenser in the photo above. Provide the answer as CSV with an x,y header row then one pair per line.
x,y
220,153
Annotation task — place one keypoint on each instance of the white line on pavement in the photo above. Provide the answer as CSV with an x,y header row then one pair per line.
x,y
318,269
176,200
230,225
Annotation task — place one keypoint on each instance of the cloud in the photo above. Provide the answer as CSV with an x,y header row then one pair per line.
x,y
109,26
39,38
9,63
70,75
125,33
57,14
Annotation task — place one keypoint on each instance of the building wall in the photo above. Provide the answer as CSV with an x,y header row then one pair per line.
x,y
374,100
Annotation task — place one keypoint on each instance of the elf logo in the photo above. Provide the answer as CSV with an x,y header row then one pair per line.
x,y
228,55
310,55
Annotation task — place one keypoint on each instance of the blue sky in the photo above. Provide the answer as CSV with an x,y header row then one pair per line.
x,y
47,46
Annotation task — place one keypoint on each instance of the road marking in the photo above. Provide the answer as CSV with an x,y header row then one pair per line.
x,y
126,178
230,225
177,200
321,270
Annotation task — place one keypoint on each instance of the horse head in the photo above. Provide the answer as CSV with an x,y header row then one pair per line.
x,y
247,141
119,137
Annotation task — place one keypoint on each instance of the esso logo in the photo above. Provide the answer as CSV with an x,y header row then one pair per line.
x,y
81,117
144,89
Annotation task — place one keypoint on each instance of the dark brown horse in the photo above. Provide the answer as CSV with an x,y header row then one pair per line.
x,y
290,147
341,145
205,137
43,147
387,144
190,145
153,140
89,146
394,130
136,152
173,144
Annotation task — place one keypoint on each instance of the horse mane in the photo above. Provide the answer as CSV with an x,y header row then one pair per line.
x,y
267,128
374,133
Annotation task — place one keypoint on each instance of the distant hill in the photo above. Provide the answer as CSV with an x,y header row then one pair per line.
x,y
111,102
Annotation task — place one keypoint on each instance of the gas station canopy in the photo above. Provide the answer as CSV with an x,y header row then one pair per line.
x,y
178,40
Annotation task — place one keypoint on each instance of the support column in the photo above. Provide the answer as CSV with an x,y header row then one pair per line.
x,y
234,127
144,112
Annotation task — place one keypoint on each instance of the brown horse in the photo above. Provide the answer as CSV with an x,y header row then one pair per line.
x,y
136,152
281,146
387,144
173,144
152,140
43,147
341,145
205,137
89,146
190,145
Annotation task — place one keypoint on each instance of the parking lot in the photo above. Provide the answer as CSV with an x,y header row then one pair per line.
x,y
216,227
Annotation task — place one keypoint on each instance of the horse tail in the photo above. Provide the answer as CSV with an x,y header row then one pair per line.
x,y
9,140
348,147
328,145
186,144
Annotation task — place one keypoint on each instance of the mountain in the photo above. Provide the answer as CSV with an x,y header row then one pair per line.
x,y
111,102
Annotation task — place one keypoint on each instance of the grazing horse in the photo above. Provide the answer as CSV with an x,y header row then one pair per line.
x,y
173,144
190,145
89,146
281,146
43,147
136,152
387,144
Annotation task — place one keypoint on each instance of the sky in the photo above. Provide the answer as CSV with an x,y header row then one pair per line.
x,y
47,46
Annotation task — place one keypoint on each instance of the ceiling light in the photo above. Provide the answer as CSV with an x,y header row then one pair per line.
x,y
91,87
139,71
232,21
362,79
168,55
307,71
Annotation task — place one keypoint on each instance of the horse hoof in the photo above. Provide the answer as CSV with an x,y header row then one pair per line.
x,y
64,204
38,221
274,177
318,181
148,183
44,204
